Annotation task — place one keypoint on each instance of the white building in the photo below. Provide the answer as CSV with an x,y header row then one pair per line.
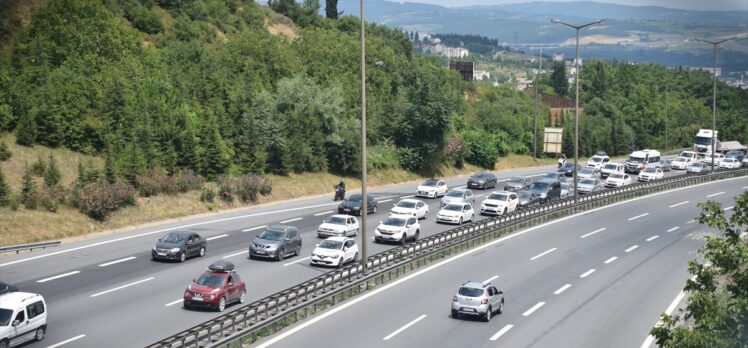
x,y
479,75
558,57
455,52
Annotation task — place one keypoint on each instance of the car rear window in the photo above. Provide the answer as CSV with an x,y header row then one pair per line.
x,y
470,292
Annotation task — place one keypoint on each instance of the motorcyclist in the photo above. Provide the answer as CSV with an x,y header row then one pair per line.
x,y
562,160
340,190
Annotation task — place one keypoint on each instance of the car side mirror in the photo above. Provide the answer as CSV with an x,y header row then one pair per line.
x,y
194,280
286,239
501,293
316,245
16,322
257,235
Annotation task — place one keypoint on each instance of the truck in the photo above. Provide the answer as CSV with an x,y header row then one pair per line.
x,y
702,142
638,160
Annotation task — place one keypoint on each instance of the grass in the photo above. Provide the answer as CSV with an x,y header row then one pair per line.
x,y
24,226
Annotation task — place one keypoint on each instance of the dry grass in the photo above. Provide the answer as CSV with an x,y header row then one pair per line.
x,y
282,25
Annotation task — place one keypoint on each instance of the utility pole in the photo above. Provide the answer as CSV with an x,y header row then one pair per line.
x,y
364,198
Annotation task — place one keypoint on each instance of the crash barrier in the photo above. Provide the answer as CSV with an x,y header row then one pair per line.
x,y
29,246
245,325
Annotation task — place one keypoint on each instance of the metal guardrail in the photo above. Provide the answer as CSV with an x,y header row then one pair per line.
x,y
246,324
30,246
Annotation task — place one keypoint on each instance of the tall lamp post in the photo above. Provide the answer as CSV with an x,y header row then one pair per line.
x,y
576,107
714,93
364,198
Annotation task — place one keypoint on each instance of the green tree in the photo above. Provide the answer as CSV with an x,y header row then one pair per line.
x,y
716,314
26,130
109,170
4,190
29,192
5,153
52,174
558,79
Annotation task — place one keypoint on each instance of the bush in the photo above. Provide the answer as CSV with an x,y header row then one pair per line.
x,y
4,190
224,189
144,19
381,157
188,180
14,201
29,193
266,187
155,181
52,175
100,198
5,153
247,188
39,167
410,158
481,148
207,195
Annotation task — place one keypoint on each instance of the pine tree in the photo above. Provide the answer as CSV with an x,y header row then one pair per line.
x,y
81,179
109,172
29,192
52,175
26,130
214,161
4,190
5,153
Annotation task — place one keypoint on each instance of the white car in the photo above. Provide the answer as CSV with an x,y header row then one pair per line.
x,y
414,207
597,161
335,251
697,167
618,180
729,163
456,213
610,168
338,225
680,163
745,161
651,173
397,228
717,160
23,318
432,188
499,203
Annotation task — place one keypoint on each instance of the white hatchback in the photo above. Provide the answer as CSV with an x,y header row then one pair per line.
x,y
335,251
680,163
397,228
338,225
456,213
414,207
499,203
23,318
729,163
651,173
618,180
432,188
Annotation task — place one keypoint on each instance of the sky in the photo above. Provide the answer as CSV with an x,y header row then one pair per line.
x,y
711,5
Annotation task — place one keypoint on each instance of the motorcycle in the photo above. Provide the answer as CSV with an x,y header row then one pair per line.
x,y
339,193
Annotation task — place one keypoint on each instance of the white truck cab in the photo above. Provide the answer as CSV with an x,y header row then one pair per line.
x,y
689,155
638,160
23,318
702,142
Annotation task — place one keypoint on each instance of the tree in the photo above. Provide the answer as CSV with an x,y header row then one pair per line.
x,y
331,10
109,171
716,314
26,130
52,174
4,190
5,153
558,81
29,192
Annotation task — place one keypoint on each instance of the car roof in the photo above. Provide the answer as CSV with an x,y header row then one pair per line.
x,y
338,239
181,233
281,227
459,190
457,203
409,200
474,284
12,299
547,180
345,216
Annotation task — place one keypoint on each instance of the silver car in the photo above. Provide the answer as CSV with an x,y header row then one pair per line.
x,y
458,196
276,242
590,185
477,299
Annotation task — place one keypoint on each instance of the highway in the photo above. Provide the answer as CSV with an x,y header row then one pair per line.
x,y
96,288
597,279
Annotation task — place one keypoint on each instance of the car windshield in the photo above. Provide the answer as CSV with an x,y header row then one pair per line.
x,y
568,166
585,171
539,186
453,207
172,238
406,204
616,176
335,220
517,180
429,183
680,159
272,235
611,166
587,182
649,170
636,159
499,196
455,194
596,159
702,140
391,221
210,280
354,198
479,176
470,292
331,244
5,315
524,194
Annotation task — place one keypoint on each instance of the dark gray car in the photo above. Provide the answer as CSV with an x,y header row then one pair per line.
x,y
517,183
179,245
546,189
527,199
276,242
482,180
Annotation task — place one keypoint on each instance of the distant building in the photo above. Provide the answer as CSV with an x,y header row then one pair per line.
x,y
559,107
523,83
709,70
455,52
558,57
479,75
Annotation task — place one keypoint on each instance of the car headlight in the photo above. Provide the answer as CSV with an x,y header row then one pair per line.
x,y
174,250
154,248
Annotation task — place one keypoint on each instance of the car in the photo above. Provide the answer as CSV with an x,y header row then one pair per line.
x,y
597,161
456,213
651,173
567,190
691,156
527,199
397,228
414,207
729,163
618,180
558,176
477,299
7,288
499,203
666,165
335,251
586,173
23,318
216,288
745,161
179,245
546,189
590,185
736,154
680,163
458,196
338,225
276,242
517,183
717,159
697,168
568,169
432,188
352,205
638,160
610,168
482,180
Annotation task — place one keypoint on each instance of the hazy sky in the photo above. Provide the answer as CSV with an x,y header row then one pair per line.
x,y
714,5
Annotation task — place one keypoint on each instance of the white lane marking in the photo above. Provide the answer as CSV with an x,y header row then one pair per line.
x,y
461,187
533,309
611,259
632,248
254,228
122,287
638,216
562,289
297,261
677,204
217,237
715,194
117,261
324,213
290,220
67,341
691,221
542,254
235,254
501,332
57,276
490,279
652,238
585,274
384,200
410,196
729,208
173,303
305,324
404,327
673,305
593,232
479,196
673,229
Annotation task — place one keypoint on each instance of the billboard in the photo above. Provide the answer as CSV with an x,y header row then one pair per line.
x,y
464,68
553,140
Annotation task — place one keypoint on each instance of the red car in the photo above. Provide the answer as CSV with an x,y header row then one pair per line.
x,y
217,287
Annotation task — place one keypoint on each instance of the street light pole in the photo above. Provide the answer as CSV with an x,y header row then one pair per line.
x,y
714,93
364,198
576,107
535,118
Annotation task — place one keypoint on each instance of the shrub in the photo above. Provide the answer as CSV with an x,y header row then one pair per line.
x,y
29,193
247,188
155,181
481,148
14,201
39,167
144,19
410,158
207,195
188,180
266,187
224,189
5,153
100,198
52,174
4,190
381,157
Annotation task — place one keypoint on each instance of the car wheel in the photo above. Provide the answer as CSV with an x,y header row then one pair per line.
x,y
460,222
202,251
341,262
39,335
418,232
4,344
487,317
501,307
355,257
455,314
505,211
404,239
243,296
297,252
222,304
426,214
281,254
182,256
374,211
187,305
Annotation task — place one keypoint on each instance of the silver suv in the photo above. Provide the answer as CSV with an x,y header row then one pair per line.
x,y
477,299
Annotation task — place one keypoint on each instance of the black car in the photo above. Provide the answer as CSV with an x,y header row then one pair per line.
x,y
482,180
179,245
518,183
527,199
352,205
568,169
7,288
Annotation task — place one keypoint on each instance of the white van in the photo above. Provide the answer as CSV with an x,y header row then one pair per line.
x,y
611,168
642,159
23,317
689,155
